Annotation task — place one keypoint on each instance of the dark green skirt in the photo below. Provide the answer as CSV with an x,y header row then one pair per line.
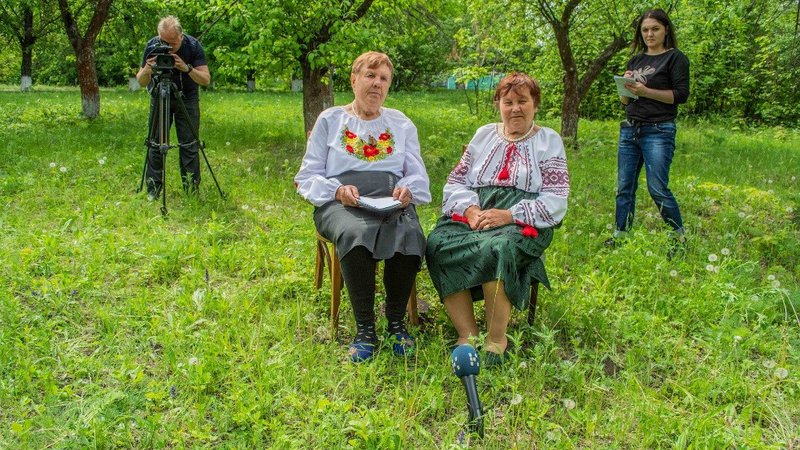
x,y
459,258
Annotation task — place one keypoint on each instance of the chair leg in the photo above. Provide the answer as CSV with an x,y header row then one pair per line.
x,y
319,265
412,306
532,305
336,292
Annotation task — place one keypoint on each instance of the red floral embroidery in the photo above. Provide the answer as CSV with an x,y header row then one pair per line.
x,y
389,150
384,137
370,151
350,148
350,134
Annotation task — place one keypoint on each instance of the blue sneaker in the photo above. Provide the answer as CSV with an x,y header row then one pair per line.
x,y
361,352
402,343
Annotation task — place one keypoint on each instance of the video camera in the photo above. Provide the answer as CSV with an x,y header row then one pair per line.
x,y
164,59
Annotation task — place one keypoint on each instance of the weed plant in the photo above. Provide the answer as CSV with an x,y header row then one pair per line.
x,y
122,328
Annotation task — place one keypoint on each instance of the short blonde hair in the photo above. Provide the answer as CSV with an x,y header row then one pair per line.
x,y
170,23
371,60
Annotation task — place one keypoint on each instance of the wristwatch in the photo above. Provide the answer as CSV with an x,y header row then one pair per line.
x,y
189,69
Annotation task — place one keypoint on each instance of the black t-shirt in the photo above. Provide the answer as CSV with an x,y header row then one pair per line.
x,y
191,52
669,70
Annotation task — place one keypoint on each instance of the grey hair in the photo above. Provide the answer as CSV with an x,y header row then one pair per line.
x,y
170,23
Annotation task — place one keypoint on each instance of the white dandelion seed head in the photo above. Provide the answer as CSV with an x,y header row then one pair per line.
x,y
568,403
63,169
193,361
228,143
770,277
579,232
710,267
776,284
523,365
649,253
770,181
245,207
781,373
52,165
101,161
737,338
754,298
742,214
238,160
516,399
789,209
725,251
609,227
768,363
673,273
794,178
712,257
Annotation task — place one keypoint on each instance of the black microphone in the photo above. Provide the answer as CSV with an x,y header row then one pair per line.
x,y
466,366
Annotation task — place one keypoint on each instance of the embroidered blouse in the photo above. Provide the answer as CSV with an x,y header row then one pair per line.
x,y
535,164
341,142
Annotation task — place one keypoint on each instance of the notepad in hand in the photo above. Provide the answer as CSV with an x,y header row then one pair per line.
x,y
380,204
621,89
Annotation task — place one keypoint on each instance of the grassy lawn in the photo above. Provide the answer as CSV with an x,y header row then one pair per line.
x,y
121,328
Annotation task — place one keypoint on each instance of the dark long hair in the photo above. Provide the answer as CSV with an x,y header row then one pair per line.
x,y
638,45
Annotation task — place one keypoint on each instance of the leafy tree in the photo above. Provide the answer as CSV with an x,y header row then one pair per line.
x,y
83,46
27,21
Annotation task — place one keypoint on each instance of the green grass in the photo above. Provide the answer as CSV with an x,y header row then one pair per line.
x,y
120,328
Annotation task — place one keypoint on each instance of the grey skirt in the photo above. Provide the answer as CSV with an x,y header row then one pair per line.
x,y
383,234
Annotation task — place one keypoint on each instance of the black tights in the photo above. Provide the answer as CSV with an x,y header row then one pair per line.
x,y
358,267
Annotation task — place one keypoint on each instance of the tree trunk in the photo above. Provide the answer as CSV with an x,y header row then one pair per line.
x,y
87,79
317,95
84,53
251,80
26,45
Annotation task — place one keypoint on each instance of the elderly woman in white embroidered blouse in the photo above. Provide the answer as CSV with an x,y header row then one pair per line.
x,y
364,149
500,205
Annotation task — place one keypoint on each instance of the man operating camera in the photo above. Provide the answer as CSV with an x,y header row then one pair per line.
x,y
180,59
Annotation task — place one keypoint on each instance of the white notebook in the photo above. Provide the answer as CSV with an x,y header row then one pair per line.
x,y
621,90
380,204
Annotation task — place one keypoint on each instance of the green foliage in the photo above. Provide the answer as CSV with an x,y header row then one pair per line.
x,y
121,328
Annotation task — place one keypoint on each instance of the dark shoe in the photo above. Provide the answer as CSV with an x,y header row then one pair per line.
x,y
677,247
610,243
402,343
492,359
361,352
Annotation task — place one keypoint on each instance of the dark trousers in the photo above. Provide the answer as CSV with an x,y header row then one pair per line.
x,y
189,147
358,271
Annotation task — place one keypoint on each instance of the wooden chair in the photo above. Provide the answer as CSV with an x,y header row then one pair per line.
x,y
328,257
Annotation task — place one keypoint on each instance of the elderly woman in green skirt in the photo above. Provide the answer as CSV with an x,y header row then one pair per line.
x,y
500,205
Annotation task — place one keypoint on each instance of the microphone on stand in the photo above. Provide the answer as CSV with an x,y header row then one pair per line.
x,y
466,366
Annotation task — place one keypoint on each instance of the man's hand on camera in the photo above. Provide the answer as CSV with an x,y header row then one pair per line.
x,y
151,64
180,64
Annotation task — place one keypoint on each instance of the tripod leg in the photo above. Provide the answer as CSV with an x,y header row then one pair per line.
x,y
151,124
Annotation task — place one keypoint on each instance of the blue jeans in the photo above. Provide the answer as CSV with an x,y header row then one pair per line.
x,y
651,145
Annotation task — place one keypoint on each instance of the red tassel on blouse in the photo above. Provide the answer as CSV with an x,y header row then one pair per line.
x,y
504,175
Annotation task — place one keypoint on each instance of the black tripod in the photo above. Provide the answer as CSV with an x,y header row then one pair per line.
x,y
158,131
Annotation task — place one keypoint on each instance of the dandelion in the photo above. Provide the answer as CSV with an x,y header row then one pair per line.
x,y
712,257
649,253
794,178
101,161
579,232
523,365
770,181
776,284
710,267
737,338
228,143
789,209
238,160
725,251
63,169
569,403
768,363
52,165
192,361
516,400
609,227
781,373
551,435
673,273
754,298
245,207
770,277
742,214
